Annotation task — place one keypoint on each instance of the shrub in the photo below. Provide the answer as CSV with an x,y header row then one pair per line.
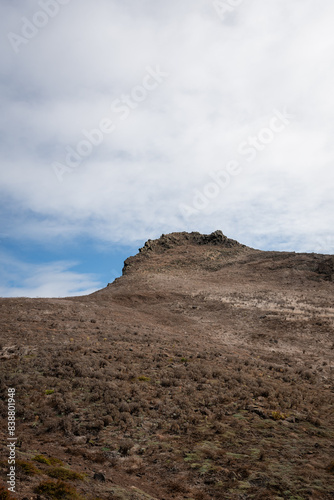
x,y
27,468
133,464
61,473
330,467
58,490
176,486
4,494
55,461
125,446
166,382
277,415
42,460
47,461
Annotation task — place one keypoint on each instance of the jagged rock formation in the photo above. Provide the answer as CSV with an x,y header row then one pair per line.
x,y
166,242
184,242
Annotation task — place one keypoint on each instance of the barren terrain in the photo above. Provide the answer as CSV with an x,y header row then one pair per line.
x,y
204,372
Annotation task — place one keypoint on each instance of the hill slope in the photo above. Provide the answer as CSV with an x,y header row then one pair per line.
x,y
205,371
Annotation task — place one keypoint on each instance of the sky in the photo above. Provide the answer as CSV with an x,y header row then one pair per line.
x,y
121,121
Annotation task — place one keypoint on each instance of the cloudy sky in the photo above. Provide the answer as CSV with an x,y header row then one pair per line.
x,y
121,121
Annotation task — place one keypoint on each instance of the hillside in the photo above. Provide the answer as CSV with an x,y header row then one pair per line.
x,y
204,372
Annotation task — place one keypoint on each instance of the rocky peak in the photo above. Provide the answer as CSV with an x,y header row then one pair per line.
x,y
167,241
177,245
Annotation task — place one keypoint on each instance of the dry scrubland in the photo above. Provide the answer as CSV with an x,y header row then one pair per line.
x,y
204,372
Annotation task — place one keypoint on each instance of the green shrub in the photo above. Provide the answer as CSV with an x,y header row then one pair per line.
x,y
55,461
42,460
27,468
58,490
47,461
277,415
61,473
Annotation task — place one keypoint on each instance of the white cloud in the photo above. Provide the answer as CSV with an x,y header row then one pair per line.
x,y
225,79
55,279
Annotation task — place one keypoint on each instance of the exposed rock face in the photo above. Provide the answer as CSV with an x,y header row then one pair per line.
x,y
177,241
166,242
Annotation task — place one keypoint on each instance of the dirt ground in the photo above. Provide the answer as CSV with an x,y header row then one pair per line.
x,y
204,372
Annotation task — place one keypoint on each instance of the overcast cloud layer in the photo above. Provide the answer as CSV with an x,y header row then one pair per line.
x,y
229,122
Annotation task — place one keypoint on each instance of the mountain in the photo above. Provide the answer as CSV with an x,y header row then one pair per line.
x,y
204,372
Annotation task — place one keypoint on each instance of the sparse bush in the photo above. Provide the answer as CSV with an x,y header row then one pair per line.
x,y
57,490
330,467
27,468
125,446
55,461
124,407
97,457
42,460
166,382
66,474
277,415
176,486
66,425
133,464
47,461
58,402
201,495
4,494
